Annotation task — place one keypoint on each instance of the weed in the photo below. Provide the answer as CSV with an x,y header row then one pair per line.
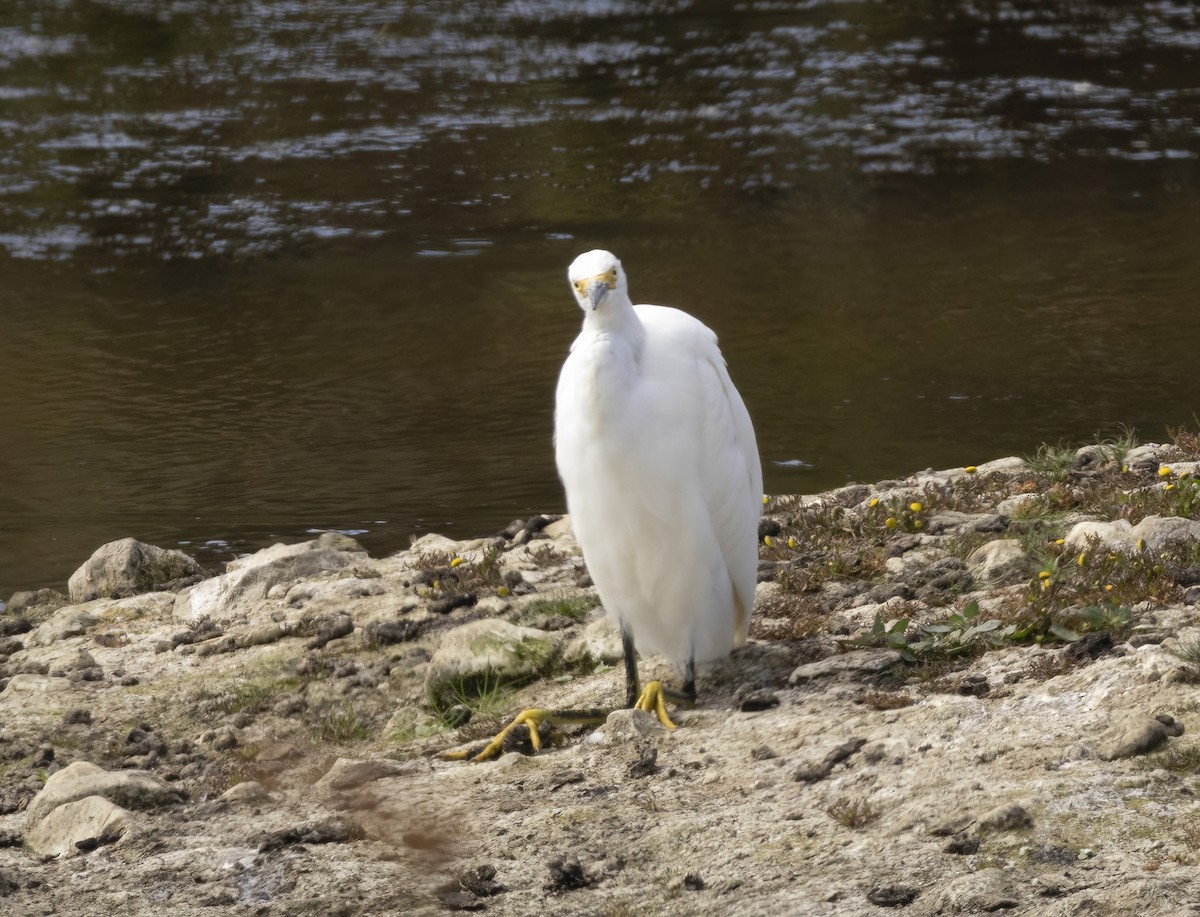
x,y
1189,652
1176,758
851,813
1185,439
431,561
1114,449
788,616
885,700
1053,462
546,555
342,723
576,608
484,695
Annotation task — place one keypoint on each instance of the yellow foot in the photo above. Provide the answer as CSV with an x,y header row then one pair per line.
x,y
653,701
531,718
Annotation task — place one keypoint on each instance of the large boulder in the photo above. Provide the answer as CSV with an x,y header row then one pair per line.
x,y
249,579
1153,534
1001,561
127,567
485,654
79,826
130,789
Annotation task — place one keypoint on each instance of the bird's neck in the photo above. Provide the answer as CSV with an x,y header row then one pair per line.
x,y
616,320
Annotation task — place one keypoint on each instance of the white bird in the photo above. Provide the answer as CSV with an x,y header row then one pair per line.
x,y
658,457
664,487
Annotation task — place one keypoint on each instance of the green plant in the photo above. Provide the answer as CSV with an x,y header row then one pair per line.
x,y
575,607
1189,652
1052,461
962,632
1116,448
484,695
892,637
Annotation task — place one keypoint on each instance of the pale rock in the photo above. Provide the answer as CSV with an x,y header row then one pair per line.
x,y
1159,531
74,661
1009,465
132,789
433,543
856,662
487,650
129,566
818,759
1012,506
410,720
350,774
1147,452
34,604
983,892
560,529
1007,817
1134,736
78,825
249,579
889,751
630,726
72,621
1153,534
30,683
999,561
338,591
247,791
1179,469
918,558
600,642
492,605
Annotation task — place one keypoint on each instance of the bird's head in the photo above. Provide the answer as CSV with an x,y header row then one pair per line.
x,y
594,276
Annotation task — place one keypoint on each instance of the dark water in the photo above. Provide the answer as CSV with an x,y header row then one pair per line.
x,y
269,267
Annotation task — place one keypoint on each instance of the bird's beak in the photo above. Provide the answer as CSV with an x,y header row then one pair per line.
x,y
594,289
597,289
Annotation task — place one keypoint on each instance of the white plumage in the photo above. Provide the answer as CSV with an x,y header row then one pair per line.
x,y
658,457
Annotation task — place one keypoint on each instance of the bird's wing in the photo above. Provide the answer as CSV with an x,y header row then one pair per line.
x,y
725,451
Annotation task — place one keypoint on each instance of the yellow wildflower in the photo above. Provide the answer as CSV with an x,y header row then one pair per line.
x,y
1164,471
1045,574
970,469
502,591
1060,541
890,522
874,502
1082,558
454,563
768,541
915,506
791,542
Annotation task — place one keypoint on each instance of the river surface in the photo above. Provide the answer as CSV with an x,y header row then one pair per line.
x,y
271,267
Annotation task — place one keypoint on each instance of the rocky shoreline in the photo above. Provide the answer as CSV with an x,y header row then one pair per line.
x,y
967,691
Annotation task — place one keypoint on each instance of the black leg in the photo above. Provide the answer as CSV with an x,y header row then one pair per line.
x,y
689,680
632,688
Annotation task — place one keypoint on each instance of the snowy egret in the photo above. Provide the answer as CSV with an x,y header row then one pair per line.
x,y
659,461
